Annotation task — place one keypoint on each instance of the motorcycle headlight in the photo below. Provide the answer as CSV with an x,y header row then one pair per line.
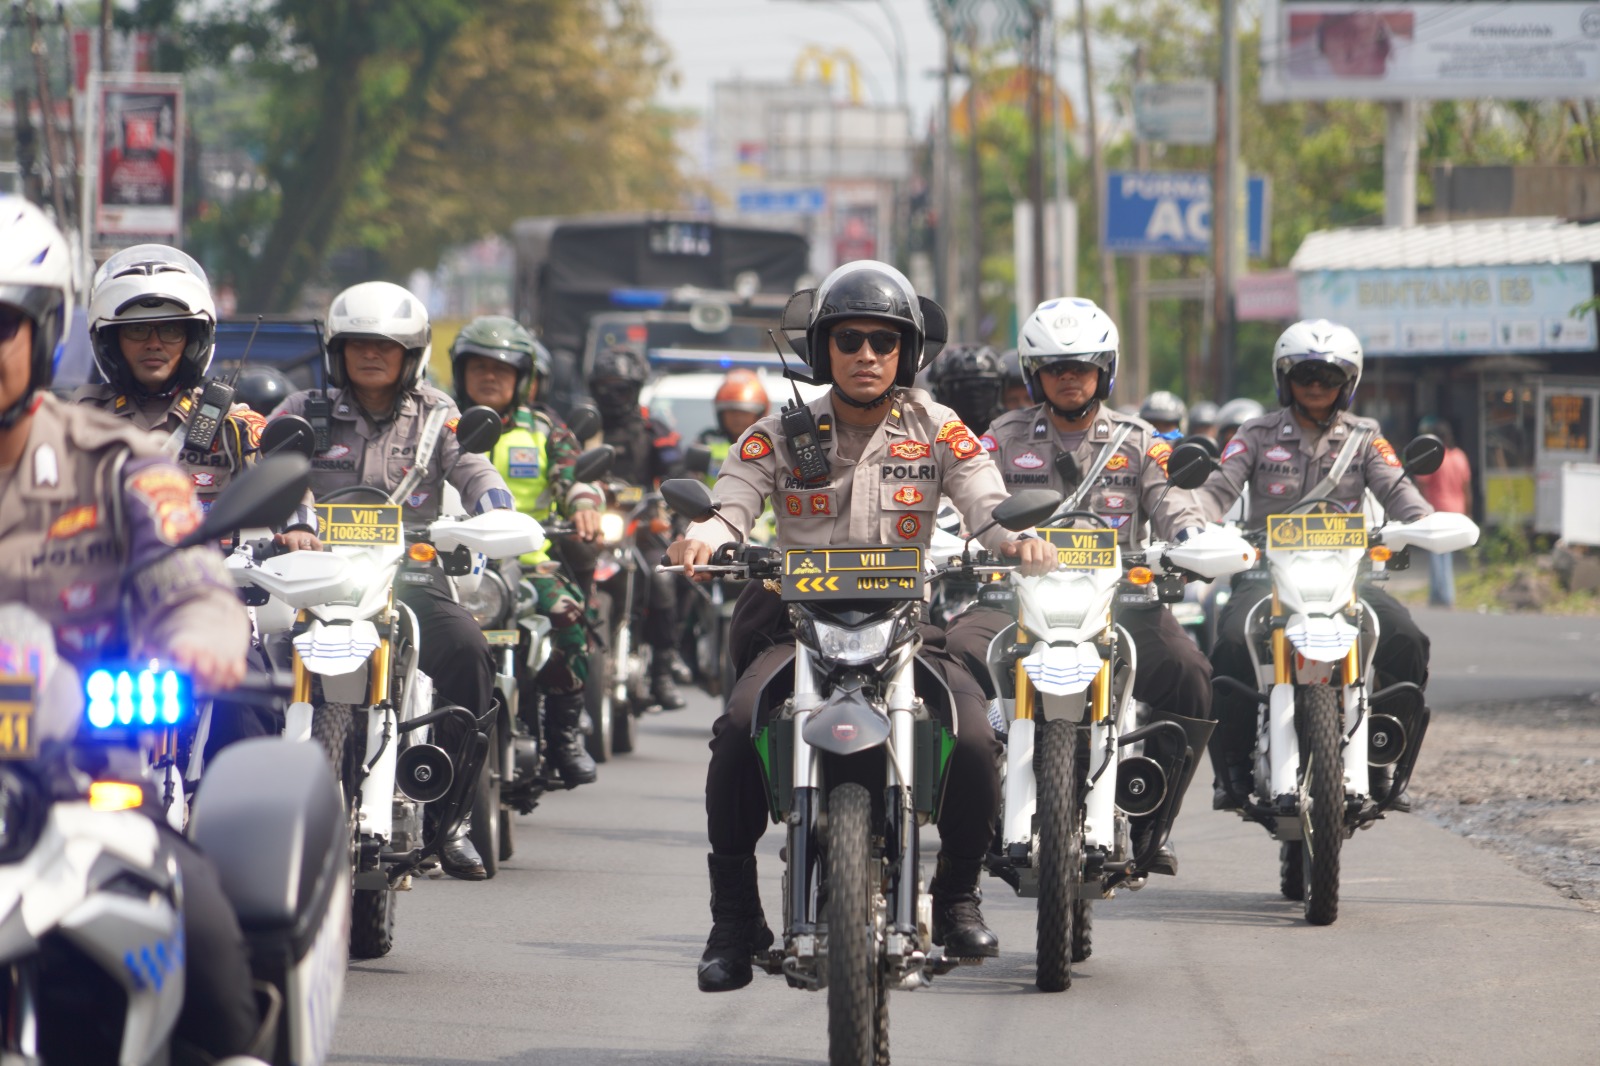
x,y
487,603
134,698
612,527
854,646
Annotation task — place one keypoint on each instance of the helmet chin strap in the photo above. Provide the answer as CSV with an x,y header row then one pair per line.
x,y
1319,423
858,404
1075,413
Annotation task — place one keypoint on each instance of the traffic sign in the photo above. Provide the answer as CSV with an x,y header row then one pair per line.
x,y
1176,112
1158,212
986,21
803,201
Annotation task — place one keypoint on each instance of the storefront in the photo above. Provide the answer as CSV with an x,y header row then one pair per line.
x,y
1480,324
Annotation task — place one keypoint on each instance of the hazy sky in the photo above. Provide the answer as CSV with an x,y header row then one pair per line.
x,y
716,40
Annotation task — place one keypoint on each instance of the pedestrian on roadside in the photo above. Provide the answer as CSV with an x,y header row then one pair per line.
x,y
1449,489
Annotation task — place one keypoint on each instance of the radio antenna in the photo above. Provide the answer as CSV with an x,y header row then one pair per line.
x,y
798,402
239,367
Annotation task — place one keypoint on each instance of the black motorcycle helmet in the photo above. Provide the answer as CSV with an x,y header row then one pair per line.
x,y
865,288
968,379
615,381
263,388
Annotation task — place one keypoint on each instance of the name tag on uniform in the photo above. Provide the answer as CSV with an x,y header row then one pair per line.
x,y
524,462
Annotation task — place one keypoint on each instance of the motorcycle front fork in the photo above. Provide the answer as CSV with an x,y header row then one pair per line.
x,y
1278,743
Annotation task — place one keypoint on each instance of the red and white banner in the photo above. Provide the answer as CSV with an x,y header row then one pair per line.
x,y
137,180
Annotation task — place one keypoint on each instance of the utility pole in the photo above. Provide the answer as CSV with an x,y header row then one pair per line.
x,y
52,140
1035,60
1097,162
944,247
1225,184
1139,312
974,257
105,35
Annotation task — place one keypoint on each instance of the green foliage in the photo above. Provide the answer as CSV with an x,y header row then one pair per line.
x,y
399,127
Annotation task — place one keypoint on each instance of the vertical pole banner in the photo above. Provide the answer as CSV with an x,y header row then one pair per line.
x,y
137,157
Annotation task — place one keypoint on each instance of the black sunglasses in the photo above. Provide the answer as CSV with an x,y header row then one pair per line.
x,y
883,341
11,320
1324,374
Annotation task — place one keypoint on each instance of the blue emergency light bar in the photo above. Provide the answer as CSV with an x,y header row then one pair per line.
x,y
151,697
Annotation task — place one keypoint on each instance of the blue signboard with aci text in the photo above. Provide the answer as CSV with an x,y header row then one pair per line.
x,y
1158,212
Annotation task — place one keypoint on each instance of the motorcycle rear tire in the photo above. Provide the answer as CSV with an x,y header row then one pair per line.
x,y
372,923
858,1014
1322,777
598,695
486,811
1060,853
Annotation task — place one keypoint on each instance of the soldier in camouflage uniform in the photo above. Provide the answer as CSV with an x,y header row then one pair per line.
x,y
496,361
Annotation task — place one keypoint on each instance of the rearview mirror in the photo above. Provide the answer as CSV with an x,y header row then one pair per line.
x,y
1209,444
584,421
1190,465
594,463
478,429
266,494
689,497
1026,509
1423,456
288,434
697,459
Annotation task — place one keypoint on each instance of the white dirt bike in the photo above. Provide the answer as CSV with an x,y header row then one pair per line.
x,y
1089,796
92,949
1324,740
357,689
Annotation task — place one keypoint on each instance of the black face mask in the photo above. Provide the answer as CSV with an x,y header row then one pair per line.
x,y
617,400
975,401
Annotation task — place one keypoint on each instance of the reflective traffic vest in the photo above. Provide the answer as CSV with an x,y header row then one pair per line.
x,y
522,455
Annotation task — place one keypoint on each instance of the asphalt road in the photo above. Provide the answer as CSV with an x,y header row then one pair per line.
x,y
582,951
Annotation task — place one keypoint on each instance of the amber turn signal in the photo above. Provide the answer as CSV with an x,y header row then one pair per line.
x,y
1141,575
1379,554
114,796
422,553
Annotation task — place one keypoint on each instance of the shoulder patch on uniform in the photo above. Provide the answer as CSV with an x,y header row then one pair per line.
x,y
1159,452
78,520
254,425
989,443
909,449
169,494
965,447
1117,462
756,446
452,424
951,430
1382,446
1235,447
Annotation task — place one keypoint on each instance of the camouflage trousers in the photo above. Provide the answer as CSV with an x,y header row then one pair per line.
x,y
568,667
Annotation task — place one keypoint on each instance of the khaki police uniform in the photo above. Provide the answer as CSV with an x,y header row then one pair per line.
x,y
1131,493
889,496
92,501
1275,461
1128,492
362,451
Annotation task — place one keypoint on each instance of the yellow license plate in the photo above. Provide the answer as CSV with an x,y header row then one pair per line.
x,y
360,525
630,494
1083,549
500,637
852,573
17,697
1316,532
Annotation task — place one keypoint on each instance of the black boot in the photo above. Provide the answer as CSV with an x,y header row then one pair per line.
x,y
1235,784
459,858
663,689
957,920
564,737
1165,750
1382,778
738,926
679,669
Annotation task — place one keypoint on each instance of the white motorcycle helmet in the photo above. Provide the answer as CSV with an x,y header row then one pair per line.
x,y
380,310
1317,341
36,279
152,283
1068,330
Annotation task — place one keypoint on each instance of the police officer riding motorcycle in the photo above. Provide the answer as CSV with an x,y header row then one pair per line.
x,y
497,363
1165,412
368,424
867,466
969,379
648,451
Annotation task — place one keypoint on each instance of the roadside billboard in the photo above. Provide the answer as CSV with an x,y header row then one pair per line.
x,y
1467,310
136,167
1157,212
1316,50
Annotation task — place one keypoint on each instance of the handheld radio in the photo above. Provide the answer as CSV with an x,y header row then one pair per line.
x,y
216,400
800,432
319,409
